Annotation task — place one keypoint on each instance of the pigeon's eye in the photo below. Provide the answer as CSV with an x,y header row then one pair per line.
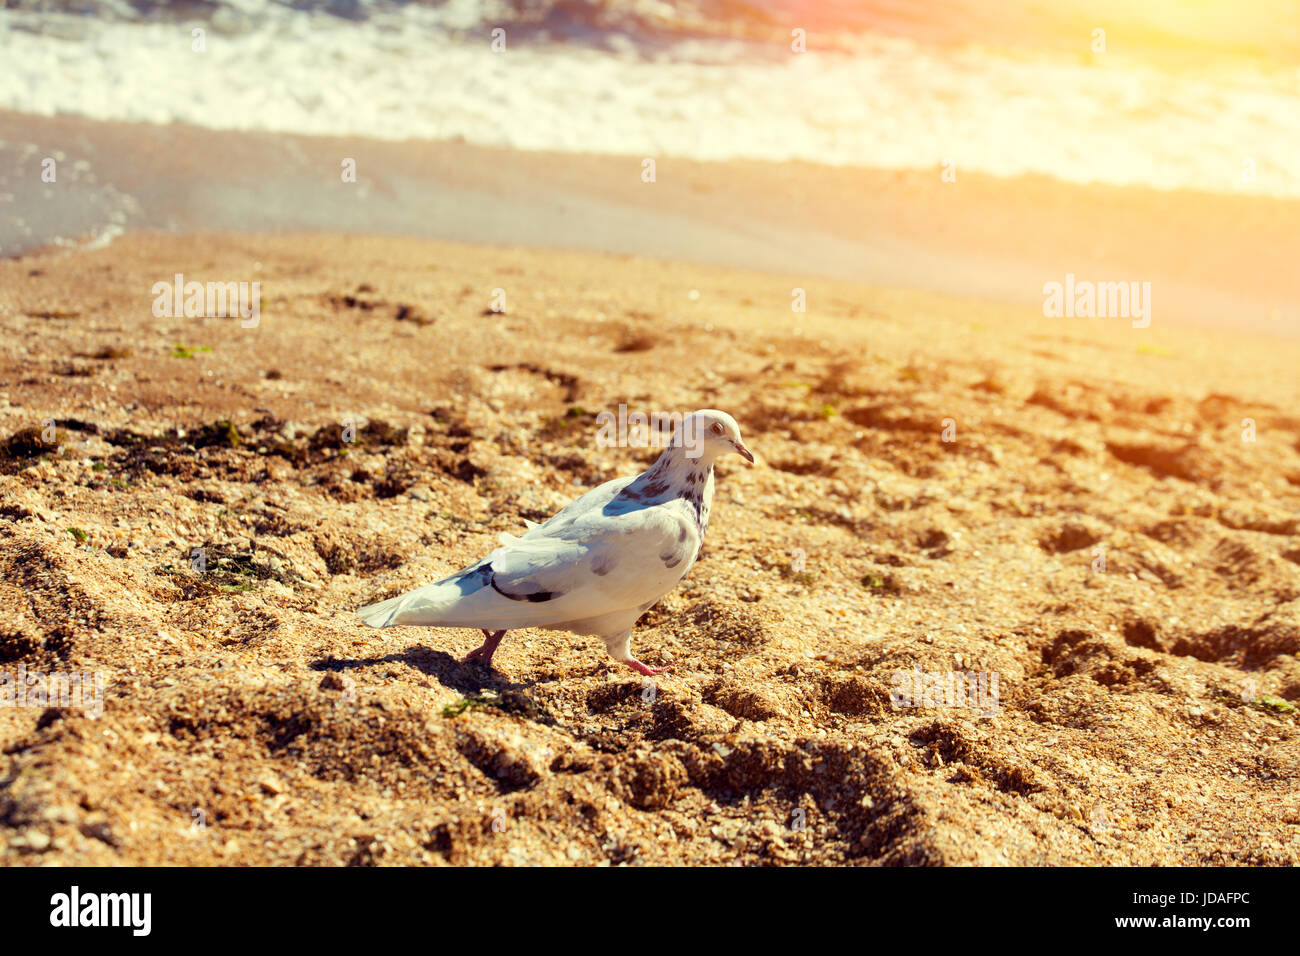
x,y
717,428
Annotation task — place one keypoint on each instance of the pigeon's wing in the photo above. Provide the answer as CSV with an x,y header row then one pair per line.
x,y
591,564
590,503
594,500
597,564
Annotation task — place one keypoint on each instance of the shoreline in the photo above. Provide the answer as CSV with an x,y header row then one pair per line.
x,y
1213,260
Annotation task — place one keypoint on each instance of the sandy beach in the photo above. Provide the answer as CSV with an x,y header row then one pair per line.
x,y
305,305
1101,517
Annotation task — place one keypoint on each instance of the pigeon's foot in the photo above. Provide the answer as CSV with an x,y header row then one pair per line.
x,y
648,671
489,647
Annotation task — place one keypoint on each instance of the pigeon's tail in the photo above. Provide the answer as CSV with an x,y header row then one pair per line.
x,y
524,591
427,605
384,613
466,599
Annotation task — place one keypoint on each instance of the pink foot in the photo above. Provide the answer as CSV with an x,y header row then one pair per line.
x,y
640,668
489,647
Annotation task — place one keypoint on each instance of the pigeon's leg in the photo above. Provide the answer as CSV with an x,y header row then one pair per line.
x,y
489,647
648,671
619,647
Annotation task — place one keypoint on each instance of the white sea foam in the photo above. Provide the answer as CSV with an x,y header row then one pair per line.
x,y
429,73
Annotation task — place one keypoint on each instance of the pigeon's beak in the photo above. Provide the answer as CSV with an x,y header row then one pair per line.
x,y
743,451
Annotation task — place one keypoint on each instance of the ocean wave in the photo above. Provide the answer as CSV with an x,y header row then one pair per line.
x,y
69,204
421,71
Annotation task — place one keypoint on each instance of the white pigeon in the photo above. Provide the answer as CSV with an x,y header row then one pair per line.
x,y
594,567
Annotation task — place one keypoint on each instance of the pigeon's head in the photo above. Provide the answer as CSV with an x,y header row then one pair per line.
x,y
710,434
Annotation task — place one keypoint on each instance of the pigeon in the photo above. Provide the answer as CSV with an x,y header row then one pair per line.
x,y
595,566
